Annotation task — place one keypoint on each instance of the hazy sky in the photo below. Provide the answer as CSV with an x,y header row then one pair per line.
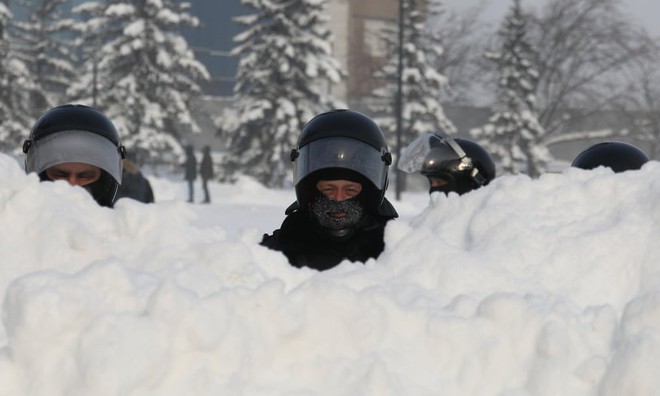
x,y
645,12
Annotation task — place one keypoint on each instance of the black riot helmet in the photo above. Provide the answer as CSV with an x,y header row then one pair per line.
x,y
463,164
77,133
618,156
342,144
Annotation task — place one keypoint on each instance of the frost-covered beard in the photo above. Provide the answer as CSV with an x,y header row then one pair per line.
x,y
323,209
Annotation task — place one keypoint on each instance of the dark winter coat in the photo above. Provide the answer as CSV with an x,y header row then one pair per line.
x,y
190,166
206,167
306,244
134,185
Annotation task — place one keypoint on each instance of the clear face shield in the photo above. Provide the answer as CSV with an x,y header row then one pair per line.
x,y
75,146
341,152
438,152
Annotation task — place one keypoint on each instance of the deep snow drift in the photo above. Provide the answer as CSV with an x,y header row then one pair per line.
x,y
525,287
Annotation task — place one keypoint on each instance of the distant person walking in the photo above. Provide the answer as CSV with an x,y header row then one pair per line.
x,y
206,172
190,168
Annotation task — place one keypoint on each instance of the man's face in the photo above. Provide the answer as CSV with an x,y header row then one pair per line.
x,y
337,208
77,174
339,190
437,182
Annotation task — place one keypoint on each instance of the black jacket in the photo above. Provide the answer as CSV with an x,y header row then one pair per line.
x,y
306,244
134,185
206,167
190,166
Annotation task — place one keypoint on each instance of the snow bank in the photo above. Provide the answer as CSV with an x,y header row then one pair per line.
x,y
525,287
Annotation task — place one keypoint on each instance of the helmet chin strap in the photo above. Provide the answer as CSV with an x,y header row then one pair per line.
x,y
466,163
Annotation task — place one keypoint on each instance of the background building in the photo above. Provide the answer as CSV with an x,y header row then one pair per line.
x,y
355,24
213,40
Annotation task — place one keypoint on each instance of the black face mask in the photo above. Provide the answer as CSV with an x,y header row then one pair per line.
x,y
446,188
323,207
459,184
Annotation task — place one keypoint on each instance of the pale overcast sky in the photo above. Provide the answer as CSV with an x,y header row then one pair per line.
x,y
645,12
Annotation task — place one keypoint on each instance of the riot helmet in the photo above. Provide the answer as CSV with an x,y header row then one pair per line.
x,y
76,133
341,144
618,156
463,165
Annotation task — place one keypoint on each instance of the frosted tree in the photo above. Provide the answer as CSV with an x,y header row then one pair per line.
x,y
46,48
422,84
15,84
461,37
584,47
582,51
513,134
639,105
140,70
285,69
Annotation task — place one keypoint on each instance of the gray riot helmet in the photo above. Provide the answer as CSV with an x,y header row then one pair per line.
x,y
463,164
75,133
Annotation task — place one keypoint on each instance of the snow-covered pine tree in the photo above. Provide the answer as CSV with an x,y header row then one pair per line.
x,y
422,84
15,83
46,48
140,70
513,134
284,73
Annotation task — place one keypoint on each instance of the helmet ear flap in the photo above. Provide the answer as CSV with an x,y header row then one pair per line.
x,y
477,177
387,158
26,145
293,155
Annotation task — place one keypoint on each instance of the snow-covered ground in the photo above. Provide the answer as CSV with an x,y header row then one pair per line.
x,y
525,287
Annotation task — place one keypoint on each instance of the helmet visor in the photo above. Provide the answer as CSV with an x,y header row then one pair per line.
x,y
431,153
341,152
74,146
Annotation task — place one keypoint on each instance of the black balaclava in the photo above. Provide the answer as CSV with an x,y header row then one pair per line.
x,y
459,183
321,207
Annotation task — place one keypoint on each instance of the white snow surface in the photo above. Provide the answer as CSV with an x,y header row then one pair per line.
x,y
524,287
